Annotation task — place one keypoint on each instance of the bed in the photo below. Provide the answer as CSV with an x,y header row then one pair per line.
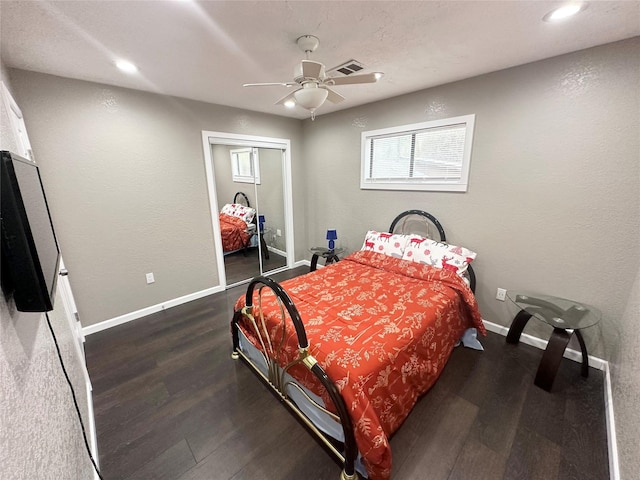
x,y
351,347
238,225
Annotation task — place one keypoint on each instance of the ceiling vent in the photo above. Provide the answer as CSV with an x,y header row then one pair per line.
x,y
346,69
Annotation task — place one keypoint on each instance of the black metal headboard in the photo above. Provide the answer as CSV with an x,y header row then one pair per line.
x,y
241,194
405,221
404,218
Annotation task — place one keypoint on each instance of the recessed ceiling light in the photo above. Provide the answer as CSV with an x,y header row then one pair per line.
x,y
126,66
563,12
289,104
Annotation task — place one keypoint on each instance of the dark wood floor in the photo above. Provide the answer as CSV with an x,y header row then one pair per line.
x,y
171,404
245,265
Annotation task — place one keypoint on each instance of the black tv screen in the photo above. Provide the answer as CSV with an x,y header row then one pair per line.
x,y
30,253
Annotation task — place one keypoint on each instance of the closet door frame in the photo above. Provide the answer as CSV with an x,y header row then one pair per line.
x,y
210,138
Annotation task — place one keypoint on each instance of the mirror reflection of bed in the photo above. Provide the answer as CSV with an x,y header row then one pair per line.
x,y
253,178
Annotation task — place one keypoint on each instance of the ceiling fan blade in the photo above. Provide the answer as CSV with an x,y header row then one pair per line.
x,y
334,97
311,69
286,98
353,79
281,84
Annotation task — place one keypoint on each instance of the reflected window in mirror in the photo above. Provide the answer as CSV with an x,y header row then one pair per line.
x,y
245,167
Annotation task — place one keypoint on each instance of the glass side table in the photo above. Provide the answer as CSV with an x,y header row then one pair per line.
x,y
565,316
329,255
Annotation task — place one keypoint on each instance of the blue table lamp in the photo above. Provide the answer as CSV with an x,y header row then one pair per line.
x,y
261,221
332,235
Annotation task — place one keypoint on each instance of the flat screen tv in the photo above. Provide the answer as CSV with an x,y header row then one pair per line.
x,y
30,253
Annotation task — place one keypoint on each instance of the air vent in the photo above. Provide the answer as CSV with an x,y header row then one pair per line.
x,y
346,69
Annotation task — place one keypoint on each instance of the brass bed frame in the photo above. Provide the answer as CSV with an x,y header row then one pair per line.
x,y
346,452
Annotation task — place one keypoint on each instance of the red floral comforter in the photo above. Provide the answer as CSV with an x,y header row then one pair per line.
x,y
383,330
234,232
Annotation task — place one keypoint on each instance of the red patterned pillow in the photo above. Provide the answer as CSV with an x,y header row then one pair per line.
x,y
240,211
387,243
437,254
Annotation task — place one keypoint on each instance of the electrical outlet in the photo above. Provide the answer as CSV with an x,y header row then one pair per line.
x,y
150,278
501,294
278,232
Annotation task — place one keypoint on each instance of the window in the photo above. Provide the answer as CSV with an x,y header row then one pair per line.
x,y
245,166
423,156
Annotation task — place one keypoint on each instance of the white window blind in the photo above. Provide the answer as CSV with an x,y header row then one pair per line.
x,y
427,156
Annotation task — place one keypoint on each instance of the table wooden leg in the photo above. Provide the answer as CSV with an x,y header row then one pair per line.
x,y
314,262
263,246
332,259
517,326
551,359
585,356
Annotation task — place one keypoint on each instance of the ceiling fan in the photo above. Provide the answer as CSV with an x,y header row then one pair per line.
x,y
312,81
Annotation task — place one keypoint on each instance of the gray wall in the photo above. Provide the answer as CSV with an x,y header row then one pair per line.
x,y
39,432
553,200
626,386
271,196
126,176
553,204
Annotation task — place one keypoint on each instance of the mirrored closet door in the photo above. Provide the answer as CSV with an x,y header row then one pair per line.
x,y
250,187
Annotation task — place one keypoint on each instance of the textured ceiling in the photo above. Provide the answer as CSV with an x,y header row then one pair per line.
x,y
207,50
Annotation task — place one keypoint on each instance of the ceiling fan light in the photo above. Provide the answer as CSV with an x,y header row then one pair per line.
x,y
310,98
290,104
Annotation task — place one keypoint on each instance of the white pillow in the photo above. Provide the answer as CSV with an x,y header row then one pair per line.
x,y
441,255
387,243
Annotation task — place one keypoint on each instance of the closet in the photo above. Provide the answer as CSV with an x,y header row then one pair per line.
x,y
254,171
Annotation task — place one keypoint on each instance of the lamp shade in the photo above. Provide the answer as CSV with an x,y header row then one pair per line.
x,y
331,236
310,96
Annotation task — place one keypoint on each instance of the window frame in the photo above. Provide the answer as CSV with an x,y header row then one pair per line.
x,y
440,185
254,165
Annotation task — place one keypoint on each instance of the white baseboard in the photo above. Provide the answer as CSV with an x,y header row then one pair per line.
x,y
612,442
128,317
277,251
595,362
93,437
527,339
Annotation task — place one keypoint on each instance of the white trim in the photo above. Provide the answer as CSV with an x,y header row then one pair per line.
x,y
93,437
128,317
418,184
595,362
612,441
16,120
213,207
277,251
